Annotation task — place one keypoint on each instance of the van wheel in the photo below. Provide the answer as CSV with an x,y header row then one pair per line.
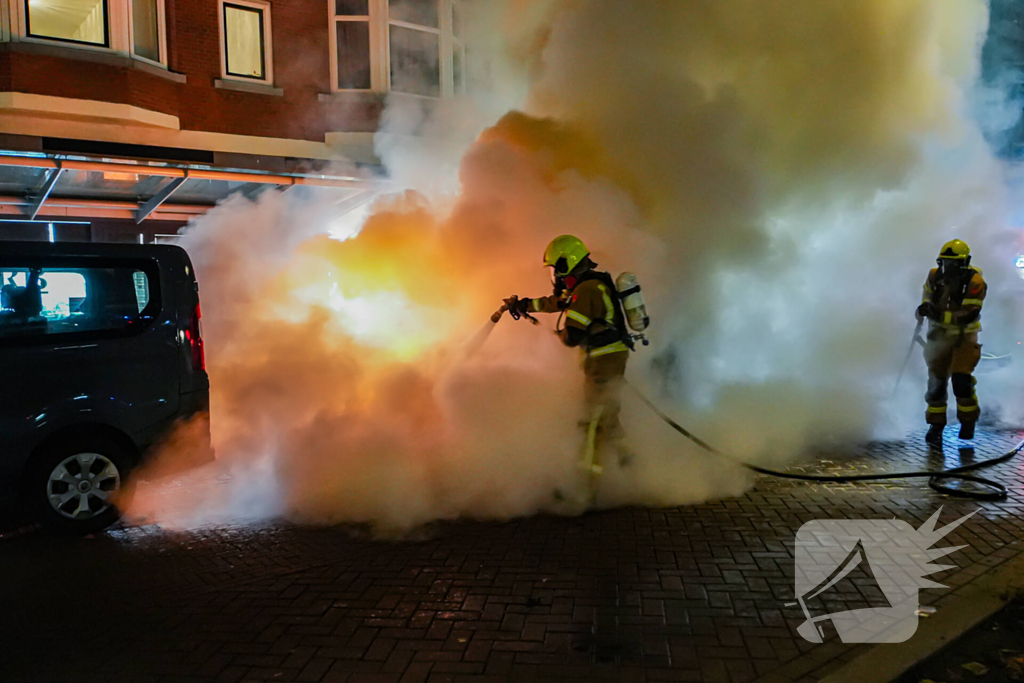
x,y
76,487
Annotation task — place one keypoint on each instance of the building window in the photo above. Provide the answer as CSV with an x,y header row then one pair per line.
x,y
147,30
246,46
414,39
350,44
129,27
416,47
76,21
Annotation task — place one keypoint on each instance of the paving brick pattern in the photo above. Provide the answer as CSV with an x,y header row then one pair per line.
x,y
692,593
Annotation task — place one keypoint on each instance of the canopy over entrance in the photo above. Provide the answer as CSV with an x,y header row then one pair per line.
x,y
45,186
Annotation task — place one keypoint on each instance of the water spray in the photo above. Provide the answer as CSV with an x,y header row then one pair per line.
x,y
477,341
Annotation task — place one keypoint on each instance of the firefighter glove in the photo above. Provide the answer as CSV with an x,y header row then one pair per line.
x,y
517,307
928,310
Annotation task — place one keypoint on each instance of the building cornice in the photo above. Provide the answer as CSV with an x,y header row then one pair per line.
x,y
20,103
107,122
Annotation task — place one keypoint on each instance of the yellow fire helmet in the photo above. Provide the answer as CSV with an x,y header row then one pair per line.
x,y
955,250
565,253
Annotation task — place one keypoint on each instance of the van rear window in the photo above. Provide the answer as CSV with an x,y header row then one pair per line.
x,y
37,301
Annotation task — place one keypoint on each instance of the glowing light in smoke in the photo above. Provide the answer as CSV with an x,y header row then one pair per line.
x,y
385,320
348,225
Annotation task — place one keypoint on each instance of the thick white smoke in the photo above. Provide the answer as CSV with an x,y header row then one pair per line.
x,y
802,162
779,174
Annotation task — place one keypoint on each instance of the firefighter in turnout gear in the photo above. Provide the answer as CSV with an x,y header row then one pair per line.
x,y
594,322
953,296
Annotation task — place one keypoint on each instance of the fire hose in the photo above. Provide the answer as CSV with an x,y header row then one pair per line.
x,y
936,478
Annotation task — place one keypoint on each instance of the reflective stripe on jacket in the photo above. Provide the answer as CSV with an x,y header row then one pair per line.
x,y
955,300
592,309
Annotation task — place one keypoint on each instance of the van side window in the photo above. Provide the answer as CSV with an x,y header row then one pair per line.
x,y
37,301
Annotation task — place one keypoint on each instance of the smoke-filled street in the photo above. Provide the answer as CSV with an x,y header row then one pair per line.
x,y
510,340
780,189
693,593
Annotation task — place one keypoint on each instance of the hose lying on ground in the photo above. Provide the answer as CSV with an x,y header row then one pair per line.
x,y
936,479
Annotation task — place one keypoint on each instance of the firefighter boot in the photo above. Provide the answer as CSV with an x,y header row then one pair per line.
x,y
934,435
966,430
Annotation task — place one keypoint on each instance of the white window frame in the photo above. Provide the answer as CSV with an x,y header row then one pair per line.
x,y
268,42
161,24
458,45
373,22
5,22
441,52
380,47
120,38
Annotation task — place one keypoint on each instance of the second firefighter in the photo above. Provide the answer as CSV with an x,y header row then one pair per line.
x,y
953,295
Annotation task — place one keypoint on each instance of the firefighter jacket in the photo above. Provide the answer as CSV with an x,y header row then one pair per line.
x,y
958,302
591,307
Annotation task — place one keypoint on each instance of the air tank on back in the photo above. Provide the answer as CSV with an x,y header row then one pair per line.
x,y
632,302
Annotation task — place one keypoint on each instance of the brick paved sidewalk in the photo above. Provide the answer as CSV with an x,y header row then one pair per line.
x,y
690,593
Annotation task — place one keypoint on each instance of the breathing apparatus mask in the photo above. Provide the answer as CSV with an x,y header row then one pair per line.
x,y
563,281
952,268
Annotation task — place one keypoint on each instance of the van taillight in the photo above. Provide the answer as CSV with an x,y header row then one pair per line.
x,y
194,334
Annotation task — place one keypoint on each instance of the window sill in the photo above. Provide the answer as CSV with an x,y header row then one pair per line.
x,y
148,67
245,86
95,55
351,97
413,97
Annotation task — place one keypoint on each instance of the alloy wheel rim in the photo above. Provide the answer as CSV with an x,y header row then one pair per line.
x,y
82,486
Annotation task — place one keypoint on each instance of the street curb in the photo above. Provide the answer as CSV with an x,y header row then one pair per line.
x,y
958,612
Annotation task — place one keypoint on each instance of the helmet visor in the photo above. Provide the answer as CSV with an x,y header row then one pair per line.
x,y
948,266
561,267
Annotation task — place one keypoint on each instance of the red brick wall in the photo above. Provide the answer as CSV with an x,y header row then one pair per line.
x,y
301,53
5,72
45,75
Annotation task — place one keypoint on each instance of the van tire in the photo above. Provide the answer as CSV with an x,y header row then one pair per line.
x,y
56,475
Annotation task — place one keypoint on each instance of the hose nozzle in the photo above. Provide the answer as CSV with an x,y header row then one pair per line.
x,y
516,314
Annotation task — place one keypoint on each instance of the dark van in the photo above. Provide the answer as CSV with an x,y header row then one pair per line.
x,y
101,354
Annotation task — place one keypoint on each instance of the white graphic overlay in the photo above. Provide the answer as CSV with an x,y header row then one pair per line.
x,y
837,558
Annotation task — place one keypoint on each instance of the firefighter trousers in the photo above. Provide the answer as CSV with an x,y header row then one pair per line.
x,y
951,358
603,380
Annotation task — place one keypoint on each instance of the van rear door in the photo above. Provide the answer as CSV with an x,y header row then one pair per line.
x,y
192,355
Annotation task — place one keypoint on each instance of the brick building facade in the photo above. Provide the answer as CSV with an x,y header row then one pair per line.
x,y
282,87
